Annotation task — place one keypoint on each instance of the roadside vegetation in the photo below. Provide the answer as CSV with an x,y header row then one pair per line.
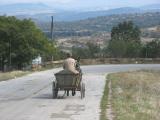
x,y
104,102
21,41
11,75
125,42
135,95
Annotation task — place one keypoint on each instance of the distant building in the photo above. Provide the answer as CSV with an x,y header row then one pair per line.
x,y
37,61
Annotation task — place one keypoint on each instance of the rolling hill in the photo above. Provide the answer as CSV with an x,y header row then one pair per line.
x,y
42,12
100,24
78,15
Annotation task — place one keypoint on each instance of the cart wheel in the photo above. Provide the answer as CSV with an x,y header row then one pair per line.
x,y
54,90
67,92
82,90
73,92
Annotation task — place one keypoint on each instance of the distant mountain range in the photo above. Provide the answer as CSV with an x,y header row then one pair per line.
x,y
42,12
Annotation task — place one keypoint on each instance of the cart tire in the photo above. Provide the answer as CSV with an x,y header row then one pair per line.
x,y
54,90
67,92
73,92
82,90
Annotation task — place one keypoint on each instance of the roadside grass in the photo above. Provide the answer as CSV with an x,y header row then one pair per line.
x,y
135,95
103,104
17,73
13,74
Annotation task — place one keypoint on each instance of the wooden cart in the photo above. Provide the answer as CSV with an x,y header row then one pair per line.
x,y
68,81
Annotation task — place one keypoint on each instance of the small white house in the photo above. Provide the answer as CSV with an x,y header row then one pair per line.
x,y
37,61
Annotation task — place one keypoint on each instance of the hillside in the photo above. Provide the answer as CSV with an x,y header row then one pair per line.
x,y
60,15
80,15
100,24
43,11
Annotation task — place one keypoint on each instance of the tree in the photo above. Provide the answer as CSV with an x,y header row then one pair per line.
x,y
90,51
125,40
93,50
133,50
117,48
21,41
151,49
80,52
126,31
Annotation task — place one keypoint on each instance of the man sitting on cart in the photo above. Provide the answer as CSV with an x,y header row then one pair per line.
x,y
70,64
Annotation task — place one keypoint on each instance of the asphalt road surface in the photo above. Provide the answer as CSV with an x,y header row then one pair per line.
x,y
30,97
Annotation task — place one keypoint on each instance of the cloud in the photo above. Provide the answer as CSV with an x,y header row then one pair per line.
x,y
37,1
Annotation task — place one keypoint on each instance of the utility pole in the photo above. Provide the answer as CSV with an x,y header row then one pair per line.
x,y
52,32
52,28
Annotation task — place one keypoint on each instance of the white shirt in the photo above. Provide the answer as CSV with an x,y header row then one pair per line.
x,y
70,64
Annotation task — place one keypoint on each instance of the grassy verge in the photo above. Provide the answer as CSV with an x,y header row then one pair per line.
x,y
135,95
104,102
11,75
14,74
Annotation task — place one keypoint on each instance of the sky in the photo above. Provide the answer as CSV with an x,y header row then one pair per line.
x,y
108,4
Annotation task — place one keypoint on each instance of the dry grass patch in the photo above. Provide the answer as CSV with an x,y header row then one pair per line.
x,y
104,102
136,95
11,75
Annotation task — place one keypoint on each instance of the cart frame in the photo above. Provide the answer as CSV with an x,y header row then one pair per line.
x,y
66,80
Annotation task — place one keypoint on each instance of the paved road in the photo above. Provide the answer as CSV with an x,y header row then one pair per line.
x,y
118,68
30,97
